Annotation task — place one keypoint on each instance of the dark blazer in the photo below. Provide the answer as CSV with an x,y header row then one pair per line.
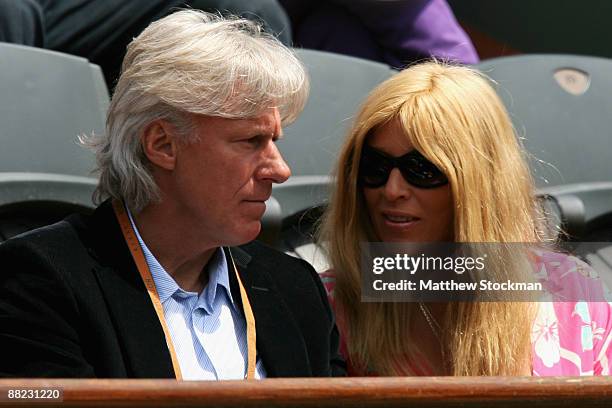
x,y
72,304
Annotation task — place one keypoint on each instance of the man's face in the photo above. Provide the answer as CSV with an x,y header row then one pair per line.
x,y
222,180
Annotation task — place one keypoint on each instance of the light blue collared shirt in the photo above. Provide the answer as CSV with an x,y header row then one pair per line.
x,y
208,331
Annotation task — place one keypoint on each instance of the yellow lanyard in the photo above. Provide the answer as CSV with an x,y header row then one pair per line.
x,y
143,268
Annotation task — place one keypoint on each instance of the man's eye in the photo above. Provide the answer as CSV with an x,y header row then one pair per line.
x,y
255,140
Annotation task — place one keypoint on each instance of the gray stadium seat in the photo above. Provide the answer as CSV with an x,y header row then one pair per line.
x,y
584,209
585,212
569,134
46,100
30,200
562,106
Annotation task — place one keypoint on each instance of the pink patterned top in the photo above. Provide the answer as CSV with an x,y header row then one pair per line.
x,y
569,338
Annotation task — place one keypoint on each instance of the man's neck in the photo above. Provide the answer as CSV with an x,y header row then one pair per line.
x,y
181,255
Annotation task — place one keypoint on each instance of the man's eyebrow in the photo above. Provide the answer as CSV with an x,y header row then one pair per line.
x,y
264,130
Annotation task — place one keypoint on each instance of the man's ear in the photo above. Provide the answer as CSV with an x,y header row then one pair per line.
x,y
159,144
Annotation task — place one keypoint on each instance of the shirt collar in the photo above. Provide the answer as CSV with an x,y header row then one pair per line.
x,y
218,275
167,286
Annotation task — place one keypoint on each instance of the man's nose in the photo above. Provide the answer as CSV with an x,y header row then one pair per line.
x,y
275,168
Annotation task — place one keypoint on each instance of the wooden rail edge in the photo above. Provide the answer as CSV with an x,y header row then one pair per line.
x,y
319,392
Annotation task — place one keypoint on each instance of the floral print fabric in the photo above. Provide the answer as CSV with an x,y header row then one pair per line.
x,y
571,337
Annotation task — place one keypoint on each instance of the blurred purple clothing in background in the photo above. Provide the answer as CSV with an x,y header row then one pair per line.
x,y
396,32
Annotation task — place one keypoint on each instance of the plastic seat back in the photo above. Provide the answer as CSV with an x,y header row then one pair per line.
x,y
562,106
46,100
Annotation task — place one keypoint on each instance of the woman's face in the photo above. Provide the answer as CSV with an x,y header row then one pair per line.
x,y
400,212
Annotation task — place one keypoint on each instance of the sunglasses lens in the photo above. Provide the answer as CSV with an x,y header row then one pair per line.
x,y
420,172
375,168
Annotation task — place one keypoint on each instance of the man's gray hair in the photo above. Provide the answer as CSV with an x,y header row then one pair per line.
x,y
190,62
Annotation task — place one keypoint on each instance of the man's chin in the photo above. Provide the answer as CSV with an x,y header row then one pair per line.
x,y
247,232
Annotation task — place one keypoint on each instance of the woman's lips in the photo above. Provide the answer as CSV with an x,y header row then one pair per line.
x,y
399,221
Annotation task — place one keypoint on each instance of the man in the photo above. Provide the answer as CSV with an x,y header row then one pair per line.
x,y
152,284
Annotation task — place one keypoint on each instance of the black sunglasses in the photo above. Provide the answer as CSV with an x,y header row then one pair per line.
x,y
375,167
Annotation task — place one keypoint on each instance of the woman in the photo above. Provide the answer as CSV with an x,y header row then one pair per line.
x,y
433,157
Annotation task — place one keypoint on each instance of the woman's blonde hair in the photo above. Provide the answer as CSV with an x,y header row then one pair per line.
x,y
453,116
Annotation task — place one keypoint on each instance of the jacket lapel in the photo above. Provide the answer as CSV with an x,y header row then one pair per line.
x,y
138,329
280,343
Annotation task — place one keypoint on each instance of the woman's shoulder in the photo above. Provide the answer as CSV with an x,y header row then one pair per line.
x,y
568,278
551,263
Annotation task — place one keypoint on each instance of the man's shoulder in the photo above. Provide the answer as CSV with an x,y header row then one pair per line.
x,y
281,267
261,251
45,235
263,254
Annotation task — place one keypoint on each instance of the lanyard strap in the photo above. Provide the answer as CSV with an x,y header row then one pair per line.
x,y
250,325
143,268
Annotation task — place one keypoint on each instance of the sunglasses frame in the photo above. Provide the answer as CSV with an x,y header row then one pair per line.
x,y
405,164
